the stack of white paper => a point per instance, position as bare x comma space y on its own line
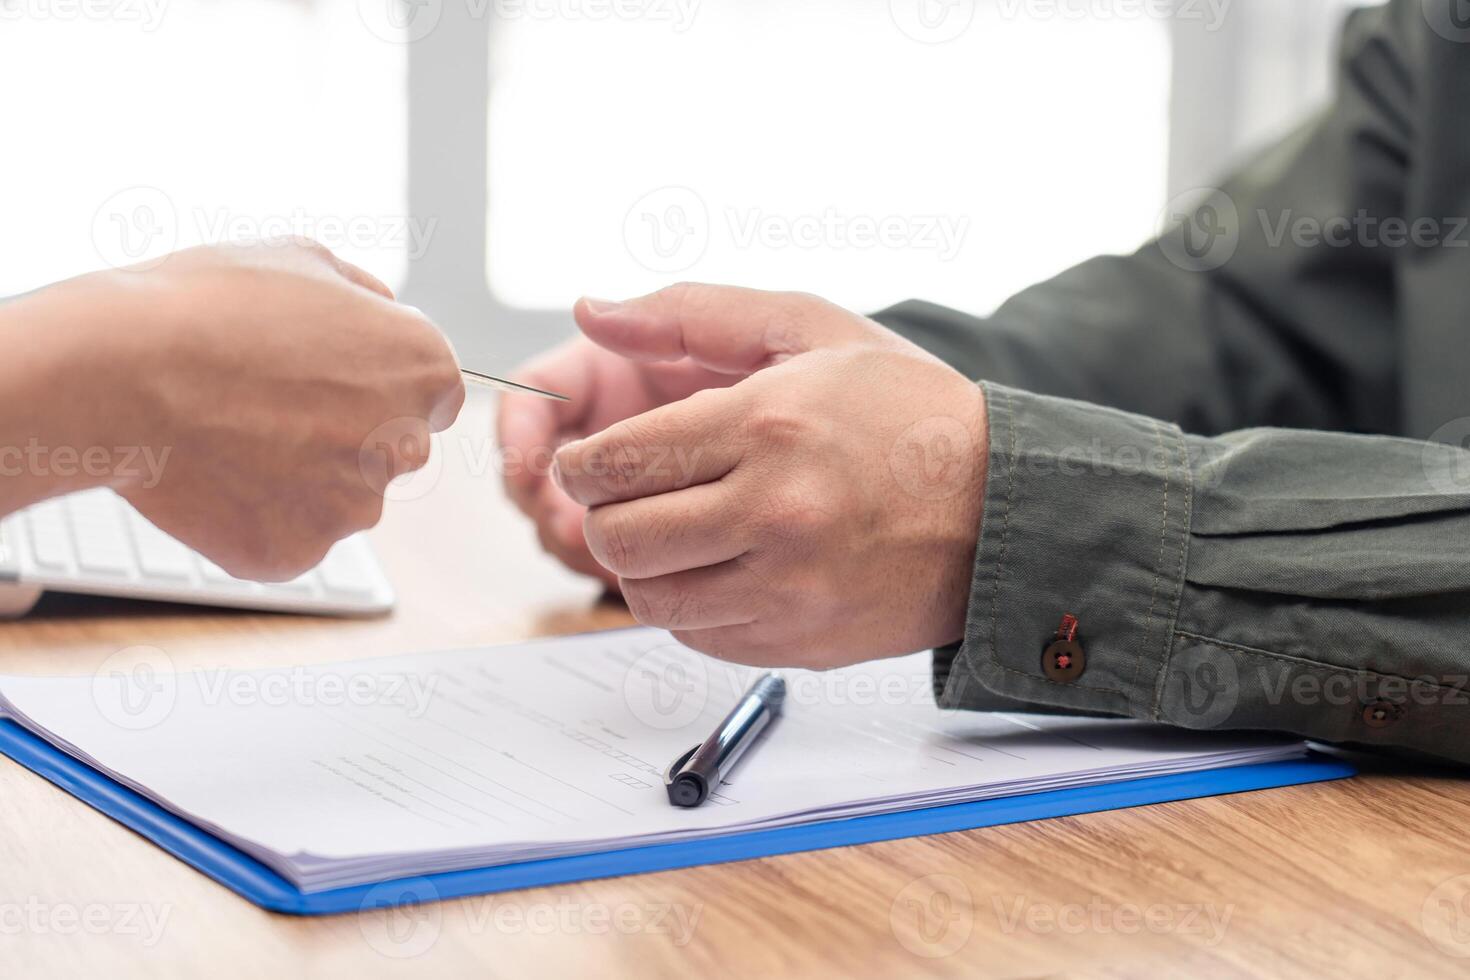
349, 773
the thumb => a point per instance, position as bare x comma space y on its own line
723, 328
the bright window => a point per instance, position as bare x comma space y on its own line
133, 126
834, 146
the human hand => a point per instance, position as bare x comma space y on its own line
603, 387
822, 511
287, 387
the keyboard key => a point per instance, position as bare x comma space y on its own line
347, 571
50, 536
94, 542
215, 575
100, 538
158, 553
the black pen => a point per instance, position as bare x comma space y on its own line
692, 776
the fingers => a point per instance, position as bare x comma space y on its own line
559, 529
696, 599
399, 446
723, 328
669, 448
668, 533
359, 276
529, 428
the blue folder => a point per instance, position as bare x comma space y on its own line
254, 881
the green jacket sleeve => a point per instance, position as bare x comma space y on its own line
1244, 577
1306, 582
1224, 322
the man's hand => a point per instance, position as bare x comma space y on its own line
604, 387
280, 387
823, 510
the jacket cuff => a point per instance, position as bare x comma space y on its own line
1087, 515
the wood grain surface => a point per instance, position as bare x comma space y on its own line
1363, 877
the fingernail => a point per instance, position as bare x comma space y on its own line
599, 307
556, 476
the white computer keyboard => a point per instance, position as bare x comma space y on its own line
96, 543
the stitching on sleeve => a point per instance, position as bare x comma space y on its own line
1158, 563
1005, 531
1314, 664
1168, 651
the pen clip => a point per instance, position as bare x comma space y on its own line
679, 763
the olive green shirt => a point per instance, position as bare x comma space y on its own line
1237, 457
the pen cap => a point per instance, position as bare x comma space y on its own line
770, 689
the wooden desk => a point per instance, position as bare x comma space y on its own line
1356, 877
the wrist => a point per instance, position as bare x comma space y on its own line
66, 421
968, 513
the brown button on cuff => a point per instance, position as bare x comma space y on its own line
1064, 661
1381, 714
